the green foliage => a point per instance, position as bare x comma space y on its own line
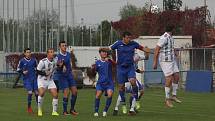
172, 4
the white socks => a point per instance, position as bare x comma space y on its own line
133, 104
54, 104
40, 102
174, 89
167, 91
118, 103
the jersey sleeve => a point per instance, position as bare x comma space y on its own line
161, 42
41, 65
114, 45
20, 66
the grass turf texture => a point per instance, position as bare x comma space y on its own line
195, 107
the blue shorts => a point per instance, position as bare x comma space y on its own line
104, 87
66, 81
30, 84
125, 73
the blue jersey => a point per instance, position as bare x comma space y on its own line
66, 58
125, 52
28, 65
104, 69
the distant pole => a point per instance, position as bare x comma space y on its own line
29, 24
82, 33
4, 42
58, 39
23, 24
101, 35
73, 21
46, 14
90, 35
52, 34
34, 26
65, 31
8, 28
13, 43
40, 35
17, 34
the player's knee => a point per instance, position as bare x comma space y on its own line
30, 92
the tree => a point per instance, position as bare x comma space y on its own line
130, 10
172, 4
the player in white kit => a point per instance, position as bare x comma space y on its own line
167, 58
45, 70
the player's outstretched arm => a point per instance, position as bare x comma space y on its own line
156, 54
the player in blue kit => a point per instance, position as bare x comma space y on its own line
125, 49
27, 67
66, 81
105, 81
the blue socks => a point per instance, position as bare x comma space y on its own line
135, 92
73, 100
108, 102
122, 95
65, 103
29, 100
97, 103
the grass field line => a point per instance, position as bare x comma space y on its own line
163, 112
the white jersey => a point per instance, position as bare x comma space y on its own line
48, 67
166, 42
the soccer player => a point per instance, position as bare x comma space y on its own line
128, 86
167, 59
105, 81
27, 66
66, 81
45, 70
125, 66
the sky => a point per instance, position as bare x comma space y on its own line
92, 11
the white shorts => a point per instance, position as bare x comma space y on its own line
169, 68
46, 84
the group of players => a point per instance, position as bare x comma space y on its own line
59, 67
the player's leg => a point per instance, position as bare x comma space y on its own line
41, 91
36, 93
74, 91
167, 90
175, 87
140, 94
115, 112
28, 87
53, 90
65, 100
73, 100
97, 99
109, 99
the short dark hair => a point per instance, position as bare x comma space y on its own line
49, 49
26, 49
169, 28
126, 33
103, 50
61, 42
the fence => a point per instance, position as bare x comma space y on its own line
40, 24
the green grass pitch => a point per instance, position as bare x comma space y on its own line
195, 107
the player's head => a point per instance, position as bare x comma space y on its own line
103, 52
62, 46
126, 37
27, 53
50, 53
169, 28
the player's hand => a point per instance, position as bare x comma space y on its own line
48, 73
155, 66
141, 71
25, 72
60, 63
64, 69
